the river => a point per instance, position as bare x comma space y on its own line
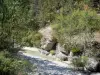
46, 65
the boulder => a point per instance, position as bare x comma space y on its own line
95, 74
70, 56
47, 41
44, 52
62, 56
60, 48
60, 52
47, 44
91, 65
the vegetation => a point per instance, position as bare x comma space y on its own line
14, 23
52, 52
80, 62
77, 22
73, 22
10, 65
31, 39
76, 29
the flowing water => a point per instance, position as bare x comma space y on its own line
46, 65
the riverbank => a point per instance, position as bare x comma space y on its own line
47, 66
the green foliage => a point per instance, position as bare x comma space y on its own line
52, 52
15, 20
77, 26
86, 1
80, 61
32, 39
9, 65
75, 50
77, 22
84, 59
20, 21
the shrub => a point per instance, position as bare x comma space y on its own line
75, 50
76, 27
32, 39
80, 61
52, 52
84, 59
76, 22
10, 65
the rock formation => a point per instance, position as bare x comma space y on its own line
49, 43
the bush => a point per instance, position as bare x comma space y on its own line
76, 22
32, 39
52, 52
80, 61
9, 65
75, 50
76, 27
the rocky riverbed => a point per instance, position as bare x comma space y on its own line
48, 67
45, 67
